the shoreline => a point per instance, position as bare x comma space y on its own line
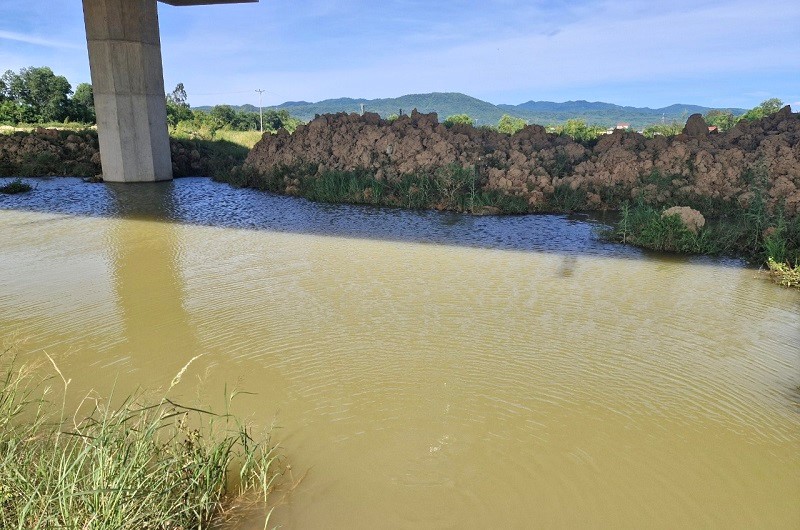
742, 185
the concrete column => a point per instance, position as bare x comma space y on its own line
128, 82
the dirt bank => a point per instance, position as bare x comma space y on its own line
50, 152
547, 172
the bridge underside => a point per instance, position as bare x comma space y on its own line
128, 81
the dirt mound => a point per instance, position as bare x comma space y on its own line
46, 152
552, 172
50, 152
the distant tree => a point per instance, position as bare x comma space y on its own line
765, 108
723, 120
42, 95
276, 119
579, 131
245, 121
9, 112
178, 96
83, 104
509, 124
178, 109
222, 116
463, 119
663, 129
6, 80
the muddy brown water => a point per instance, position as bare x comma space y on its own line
426, 370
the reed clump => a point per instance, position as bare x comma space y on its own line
754, 232
145, 464
15, 186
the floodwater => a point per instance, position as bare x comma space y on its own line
423, 369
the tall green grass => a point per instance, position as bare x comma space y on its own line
755, 233
451, 187
144, 464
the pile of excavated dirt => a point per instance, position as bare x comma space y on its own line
695, 167
47, 152
50, 152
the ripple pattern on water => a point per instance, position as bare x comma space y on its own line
430, 369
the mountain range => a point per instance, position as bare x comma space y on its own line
484, 113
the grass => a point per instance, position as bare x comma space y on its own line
246, 139
755, 233
452, 187
243, 138
145, 464
566, 199
15, 186
61, 126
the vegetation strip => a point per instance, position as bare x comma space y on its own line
144, 464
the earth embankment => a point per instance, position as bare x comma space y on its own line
544, 172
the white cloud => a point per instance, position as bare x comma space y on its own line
39, 41
720, 51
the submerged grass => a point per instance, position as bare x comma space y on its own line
141, 465
15, 186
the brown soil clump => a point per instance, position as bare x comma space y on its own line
694, 168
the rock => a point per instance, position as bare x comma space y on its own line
691, 218
696, 127
487, 210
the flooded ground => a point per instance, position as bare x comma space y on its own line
423, 369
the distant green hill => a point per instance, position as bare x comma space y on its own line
448, 103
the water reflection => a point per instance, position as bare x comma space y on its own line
204, 202
476, 384
146, 272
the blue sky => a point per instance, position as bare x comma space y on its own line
717, 53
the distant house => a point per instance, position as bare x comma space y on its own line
618, 127
713, 129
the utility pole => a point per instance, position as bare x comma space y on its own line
260, 111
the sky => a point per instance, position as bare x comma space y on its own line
644, 53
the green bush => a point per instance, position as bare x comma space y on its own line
462, 119
510, 125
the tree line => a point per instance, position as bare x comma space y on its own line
180, 116
585, 133
37, 95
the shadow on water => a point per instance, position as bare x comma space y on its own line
151, 292
201, 201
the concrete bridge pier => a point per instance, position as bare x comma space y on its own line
128, 82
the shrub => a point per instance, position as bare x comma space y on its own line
509, 124
462, 119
